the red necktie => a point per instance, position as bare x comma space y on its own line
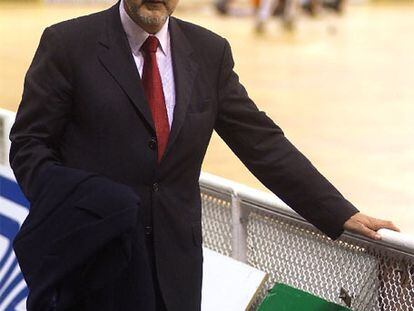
151, 80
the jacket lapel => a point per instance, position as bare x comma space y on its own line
185, 70
115, 55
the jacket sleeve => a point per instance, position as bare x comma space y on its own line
42, 115
262, 146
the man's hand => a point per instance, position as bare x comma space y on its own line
367, 226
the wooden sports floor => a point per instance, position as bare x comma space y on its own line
342, 88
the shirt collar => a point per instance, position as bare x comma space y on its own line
137, 36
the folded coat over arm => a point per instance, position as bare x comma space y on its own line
82, 235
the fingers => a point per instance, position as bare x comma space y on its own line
360, 228
391, 226
380, 224
367, 226
364, 230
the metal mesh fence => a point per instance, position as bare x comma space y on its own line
309, 261
369, 276
217, 219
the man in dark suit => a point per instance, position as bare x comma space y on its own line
134, 95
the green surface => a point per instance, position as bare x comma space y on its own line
285, 298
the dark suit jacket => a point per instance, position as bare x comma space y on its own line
82, 245
83, 107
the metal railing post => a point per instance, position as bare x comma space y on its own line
239, 230
6, 122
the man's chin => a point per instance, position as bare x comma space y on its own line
153, 18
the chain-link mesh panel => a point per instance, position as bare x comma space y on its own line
374, 277
301, 257
217, 220
396, 277
307, 260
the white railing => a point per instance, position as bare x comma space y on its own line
6, 122
257, 228
271, 203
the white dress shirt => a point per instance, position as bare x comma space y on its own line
136, 38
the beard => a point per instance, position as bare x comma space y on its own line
148, 19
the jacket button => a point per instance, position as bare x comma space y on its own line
152, 143
155, 187
148, 230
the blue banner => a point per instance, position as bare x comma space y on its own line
13, 210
